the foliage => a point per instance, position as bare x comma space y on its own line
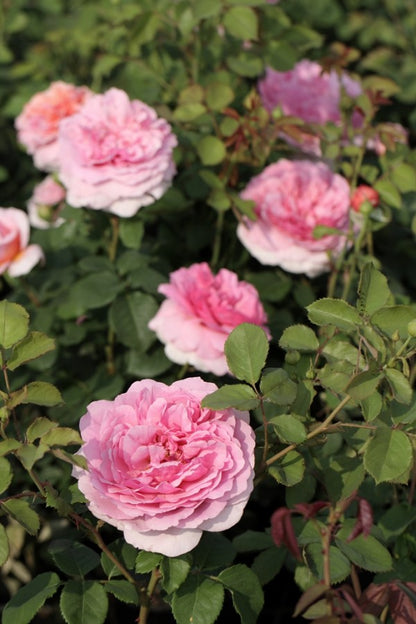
330, 391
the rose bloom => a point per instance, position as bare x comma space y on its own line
291, 199
118, 154
308, 93
43, 207
363, 193
38, 123
161, 468
200, 312
16, 256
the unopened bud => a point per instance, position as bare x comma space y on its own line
364, 195
292, 357
411, 328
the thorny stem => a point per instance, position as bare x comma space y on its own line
266, 433
312, 434
145, 608
36, 481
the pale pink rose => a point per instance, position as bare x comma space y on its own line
161, 468
200, 312
16, 256
38, 123
118, 154
45, 204
307, 92
291, 199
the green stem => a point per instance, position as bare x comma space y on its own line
145, 608
115, 226
217, 240
36, 481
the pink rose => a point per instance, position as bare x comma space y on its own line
117, 154
199, 313
38, 123
308, 93
291, 199
16, 256
161, 468
43, 206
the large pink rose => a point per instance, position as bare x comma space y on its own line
16, 256
199, 313
161, 468
45, 204
291, 199
116, 154
308, 93
38, 123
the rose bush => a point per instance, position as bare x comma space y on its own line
200, 311
162, 469
118, 154
291, 199
38, 123
17, 257
43, 209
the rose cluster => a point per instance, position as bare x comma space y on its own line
110, 153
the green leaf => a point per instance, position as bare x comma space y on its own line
388, 193
392, 319
339, 565
342, 476
14, 323
372, 406
246, 592
388, 455
402, 390
299, 338
174, 571
131, 233
189, 111
83, 602
246, 350
268, 563
363, 385
62, 436
41, 393
126, 553
241, 22
239, 396
218, 95
365, 552
24, 605
198, 600
404, 177
251, 541
6, 446
96, 290
4, 545
219, 200
207, 8
334, 312
39, 427
73, 558
21, 511
289, 428
277, 388
147, 561
213, 551
122, 590
289, 470
211, 150
31, 347
129, 316
6, 474
394, 522
29, 454
373, 290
